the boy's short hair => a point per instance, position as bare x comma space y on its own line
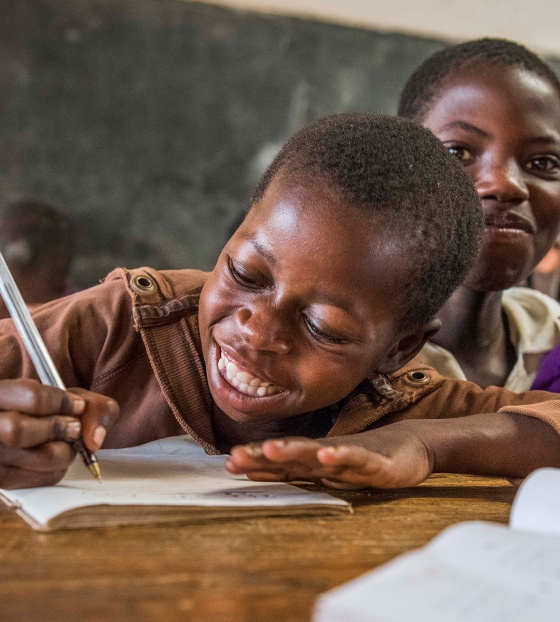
425, 83
401, 175
34, 234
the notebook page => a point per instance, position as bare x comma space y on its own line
173, 471
473, 571
536, 506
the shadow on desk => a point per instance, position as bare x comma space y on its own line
439, 486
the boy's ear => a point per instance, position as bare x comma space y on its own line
408, 347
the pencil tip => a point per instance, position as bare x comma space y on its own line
95, 471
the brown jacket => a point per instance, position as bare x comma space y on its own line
135, 338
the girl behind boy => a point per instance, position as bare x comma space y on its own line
496, 106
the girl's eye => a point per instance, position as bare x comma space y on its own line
241, 278
320, 335
544, 164
461, 153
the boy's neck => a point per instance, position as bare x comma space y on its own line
474, 330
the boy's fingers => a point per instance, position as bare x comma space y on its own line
242, 459
367, 468
33, 398
358, 467
49, 457
282, 460
346, 467
265, 476
281, 476
13, 477
353, 457
291, 450
275, 456
100, 414
21, 431
285, 471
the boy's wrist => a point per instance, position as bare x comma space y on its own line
446, 442
498, 444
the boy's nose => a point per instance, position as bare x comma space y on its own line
263, 331
502, 181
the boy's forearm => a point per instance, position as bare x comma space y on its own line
501, 444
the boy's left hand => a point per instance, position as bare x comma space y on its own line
390, 457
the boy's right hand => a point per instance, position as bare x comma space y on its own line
38, 425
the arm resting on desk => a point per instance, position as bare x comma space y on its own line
405, 453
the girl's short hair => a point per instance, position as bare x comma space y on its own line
425, 83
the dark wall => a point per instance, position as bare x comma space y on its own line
149, 121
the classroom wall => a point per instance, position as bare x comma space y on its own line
532, 24
149, 121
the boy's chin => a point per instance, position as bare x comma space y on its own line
238, 416
252, 420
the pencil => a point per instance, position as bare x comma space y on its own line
37, 351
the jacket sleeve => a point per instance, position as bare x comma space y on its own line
459, 398
420, 392
548, 411
87, 334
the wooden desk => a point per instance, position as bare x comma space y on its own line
260, 569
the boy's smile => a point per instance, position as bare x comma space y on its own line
244, 381
504, 126
298, 310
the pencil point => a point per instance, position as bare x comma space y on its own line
95, 471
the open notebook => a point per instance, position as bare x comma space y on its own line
171, 480
474, 571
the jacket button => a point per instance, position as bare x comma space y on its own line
142, 283
418, 377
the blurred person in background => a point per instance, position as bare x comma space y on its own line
38, 243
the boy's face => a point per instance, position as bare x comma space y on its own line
504, 126
302, 306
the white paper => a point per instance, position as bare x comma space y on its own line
472, 572
173, 471
536, 506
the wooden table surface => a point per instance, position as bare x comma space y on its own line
244, 570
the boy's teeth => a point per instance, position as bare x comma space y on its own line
244, 381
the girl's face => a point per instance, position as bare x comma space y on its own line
292, 318
504, 126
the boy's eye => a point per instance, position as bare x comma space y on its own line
319, 334
544, 164
238, 276
461, 153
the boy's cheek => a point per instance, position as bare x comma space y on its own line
326, 383
216, 303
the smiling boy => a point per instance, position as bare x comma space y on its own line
358, 232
